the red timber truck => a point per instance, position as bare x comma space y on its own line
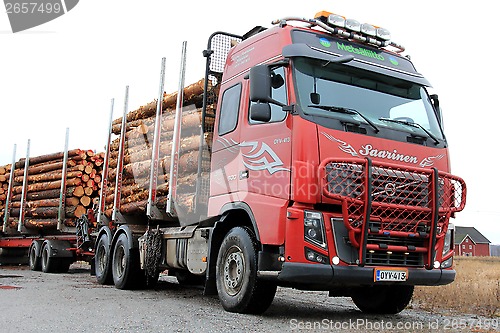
323, 165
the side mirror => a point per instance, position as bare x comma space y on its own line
260, 84
437, 108
260, 112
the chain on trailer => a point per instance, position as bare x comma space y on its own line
153, 251
219, 45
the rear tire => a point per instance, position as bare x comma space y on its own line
125, 265
388, 299
35, 261
238, 287
102, 260
49, 264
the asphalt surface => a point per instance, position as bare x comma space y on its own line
74, 302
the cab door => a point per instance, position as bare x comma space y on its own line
225, 163
266, 146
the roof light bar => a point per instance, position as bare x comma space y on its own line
347, 28
368, 32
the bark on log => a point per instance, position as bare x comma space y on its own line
47, 185
45, 212
46, 203
191, 92
44, 177
47, 194
49, 157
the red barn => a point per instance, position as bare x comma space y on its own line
470, 242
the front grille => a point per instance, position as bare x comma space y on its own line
381, 258
392, 186
408, 208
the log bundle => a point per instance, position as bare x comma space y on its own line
140, 127
43, 188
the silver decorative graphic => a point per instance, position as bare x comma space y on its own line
24, 14
429, 161
258, 161
344, 146
257, 158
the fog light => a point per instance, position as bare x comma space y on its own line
335, 260
447, 263
315, 256
437, 264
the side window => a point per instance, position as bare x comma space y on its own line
230, 106
278, 92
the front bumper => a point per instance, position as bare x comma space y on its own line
317, 275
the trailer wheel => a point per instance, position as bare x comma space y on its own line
125, 265
102, 260
238, 287
49, 264
388, 299
35, 260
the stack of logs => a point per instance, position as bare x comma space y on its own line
138, 150
83, 181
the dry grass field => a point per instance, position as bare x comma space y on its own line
476, 289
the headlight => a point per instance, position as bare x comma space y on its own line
314, 229
448, 245
448, 240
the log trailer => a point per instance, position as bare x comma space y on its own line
322, 165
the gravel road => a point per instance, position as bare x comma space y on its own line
74, 302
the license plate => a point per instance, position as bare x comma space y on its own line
392, 275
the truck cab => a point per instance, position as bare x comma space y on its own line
330, 160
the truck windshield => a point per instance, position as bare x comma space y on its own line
323, 88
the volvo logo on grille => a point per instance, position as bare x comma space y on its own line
390, 189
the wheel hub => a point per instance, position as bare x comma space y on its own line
234, 269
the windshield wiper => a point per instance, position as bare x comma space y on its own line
346, 111
417, 125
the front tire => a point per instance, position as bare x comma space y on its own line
388, 299
238, 287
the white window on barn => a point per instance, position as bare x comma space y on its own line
463, 247
470, 247
467, 240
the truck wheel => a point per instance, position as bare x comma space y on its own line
49, 264
102, 260
125, 264
35, 261
236, 275
390, 299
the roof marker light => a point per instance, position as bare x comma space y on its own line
368, 29
336, 20
353, 25
383, 34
